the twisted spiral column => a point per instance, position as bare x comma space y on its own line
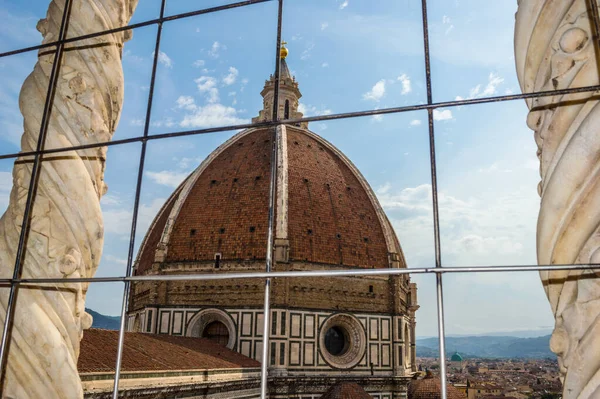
66, 234
555, 49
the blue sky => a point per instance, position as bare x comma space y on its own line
347, 55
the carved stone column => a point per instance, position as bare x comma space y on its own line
66, 235
555, 49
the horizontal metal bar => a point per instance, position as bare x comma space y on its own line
135, 26
139, 139
311, 273
383, 111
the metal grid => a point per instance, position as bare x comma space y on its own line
58, 47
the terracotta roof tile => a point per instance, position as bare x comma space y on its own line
430, 388
346, 390
331, 218
150, 352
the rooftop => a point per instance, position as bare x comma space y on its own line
346, 390
150, 352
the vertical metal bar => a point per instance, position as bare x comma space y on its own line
593, 10
32, 191
436, 216
136, 204
264, 365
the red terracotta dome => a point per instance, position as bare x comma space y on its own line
326, 212
430, 388
346, 390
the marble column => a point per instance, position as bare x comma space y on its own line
66, 234
555, 49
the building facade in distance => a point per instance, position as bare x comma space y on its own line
323, 330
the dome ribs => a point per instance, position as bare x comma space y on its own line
332, 219
327, 198
227, 195
146, 257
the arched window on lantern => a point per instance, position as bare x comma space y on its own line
286, 111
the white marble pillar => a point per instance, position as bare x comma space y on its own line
66, 235
554, 49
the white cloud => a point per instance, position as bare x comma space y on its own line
490, 89
211, 115
117, 221
130, 57
136, 122
199, 63
186, 102
167, 122
167, 177
109, 200
446, 21
164, 59
493, 82
377, 118
231, 77
311, 110
406, 86
474, 92
475, 231
415, 122
376, 92
187, 163
344, 4
215, 49
147, 213
307, 51
442, 115
325, 65
207, 85
324, 25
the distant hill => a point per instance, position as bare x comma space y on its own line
105, 322
489, 347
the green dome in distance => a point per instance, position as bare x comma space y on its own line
456, 357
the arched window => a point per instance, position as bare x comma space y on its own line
216, 332
286, 111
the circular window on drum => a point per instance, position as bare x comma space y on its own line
342, 341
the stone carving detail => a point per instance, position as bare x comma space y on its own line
555, 50
66, 235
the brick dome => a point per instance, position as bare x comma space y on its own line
346, 390
326, 211
430, 388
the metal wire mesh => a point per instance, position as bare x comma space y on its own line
57, 47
